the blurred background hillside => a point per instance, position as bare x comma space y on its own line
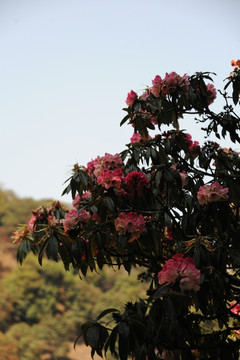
42, 308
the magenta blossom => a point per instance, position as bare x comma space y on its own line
137, 138
183, 269
192, 145
172, 82
130, 222
236, 309
108, 161
131, 97
77, 200
136, 183
211, 93
212, 193
71, 219
156, 88
31, 224
84, 216
110, 178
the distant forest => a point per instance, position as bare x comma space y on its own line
42, 308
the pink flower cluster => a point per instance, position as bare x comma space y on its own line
236, 309
211, 93
39, 214
130, 222
137, 138
18, 236
78, 199
110, 178
131, 97
212, 193
170, 84
45, 216
52, 221
192, 145
183, 269
136, 183
102, 163
156, 86
72, 218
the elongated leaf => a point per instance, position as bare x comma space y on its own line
105, 312
123, 340
52, 248
109, 203
111, 342
235, 95
124, 119
42, 251
24, 248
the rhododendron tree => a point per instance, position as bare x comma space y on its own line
168, 206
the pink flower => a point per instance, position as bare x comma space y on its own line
212, 193
188, 139
192, 145
100, 164
131, 97
130, 222
156, 88
84, 216
113, 161
52, 221
172, 82
77, 200
110, 178
211, 93
183, 269
136, 183
31, 224
236, 309
71, 219
136, 138
18, 236
144, 95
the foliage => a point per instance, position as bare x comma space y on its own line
8, 348
165, 204
6, 308
42, 308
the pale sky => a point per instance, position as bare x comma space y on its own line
67, 66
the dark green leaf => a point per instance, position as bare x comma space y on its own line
105, 312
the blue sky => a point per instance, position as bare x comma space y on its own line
67, 66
